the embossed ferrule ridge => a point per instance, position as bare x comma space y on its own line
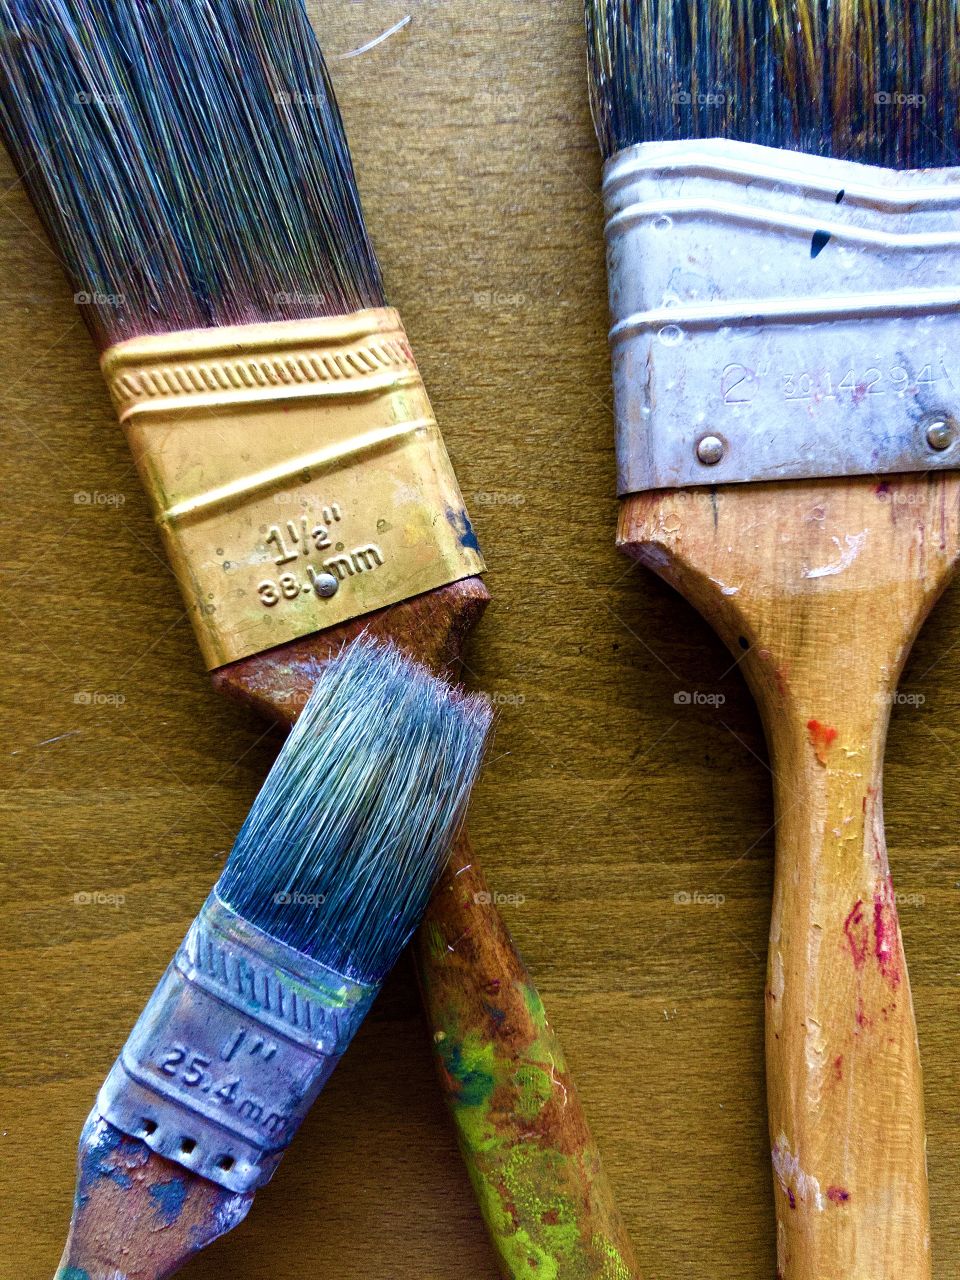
780, 316
296, 472
239, 1037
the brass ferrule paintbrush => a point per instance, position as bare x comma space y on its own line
297, 474
189, 161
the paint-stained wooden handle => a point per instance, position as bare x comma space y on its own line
544, 1197
138, 1216
535, 1168
820, 589
532, 1161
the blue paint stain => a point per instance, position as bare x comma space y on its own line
464, 529
72, 1273
99, 1147
169, 1197
496, 1014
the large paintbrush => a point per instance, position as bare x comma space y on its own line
189, 162
781, 250
326, 881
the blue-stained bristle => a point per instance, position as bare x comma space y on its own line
352, 827
876, 81
188, 159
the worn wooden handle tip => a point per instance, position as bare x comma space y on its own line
138, 1216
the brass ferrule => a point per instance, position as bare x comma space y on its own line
296, 472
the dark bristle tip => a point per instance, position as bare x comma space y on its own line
345, 841
876, 81
188, 160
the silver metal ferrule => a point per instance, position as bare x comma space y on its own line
778, 315
235, 1043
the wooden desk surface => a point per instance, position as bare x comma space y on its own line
605, 798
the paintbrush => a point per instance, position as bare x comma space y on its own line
190, 164
779, 240
326, 881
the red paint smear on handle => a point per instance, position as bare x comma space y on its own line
838, 1195
862, 1019
885, 934
858, 934
822, 738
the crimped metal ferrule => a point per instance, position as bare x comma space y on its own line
780, 316
239, 1037
296, 472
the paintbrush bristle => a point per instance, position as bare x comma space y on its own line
346, 839
876, 81
188, 160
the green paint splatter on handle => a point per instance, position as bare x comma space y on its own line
534, 1089
535, 1169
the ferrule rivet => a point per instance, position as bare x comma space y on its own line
326, 585
710, 450
941, 431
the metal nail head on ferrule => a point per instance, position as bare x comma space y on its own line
780, 316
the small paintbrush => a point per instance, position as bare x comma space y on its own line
327, 880
189, 162
782, 236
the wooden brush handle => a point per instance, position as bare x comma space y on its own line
820, 588
843, 1065
137, 1215
536, 1170
532, 1161
534, 1166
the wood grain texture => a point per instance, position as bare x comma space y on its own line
606, 805
819, 589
